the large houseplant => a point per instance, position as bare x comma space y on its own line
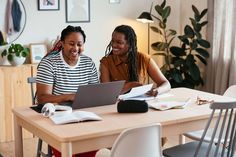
181, 67
16, 54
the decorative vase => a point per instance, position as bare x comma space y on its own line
3, 60
17, 61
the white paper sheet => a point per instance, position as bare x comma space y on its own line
136, 92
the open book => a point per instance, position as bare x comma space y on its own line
169, 102
138, 93
76, 116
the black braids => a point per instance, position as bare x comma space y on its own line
70, 29
108, 49
132, 56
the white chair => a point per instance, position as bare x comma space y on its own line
225, 122
142, 141
32, 81
196, 135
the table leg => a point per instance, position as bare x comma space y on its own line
18, 139
181, 139
66, 150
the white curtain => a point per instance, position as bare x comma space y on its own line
221, 68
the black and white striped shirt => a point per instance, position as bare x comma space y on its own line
65, 79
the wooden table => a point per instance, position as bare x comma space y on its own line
93, 135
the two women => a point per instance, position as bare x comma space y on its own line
61, 72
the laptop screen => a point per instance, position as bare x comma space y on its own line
100, 94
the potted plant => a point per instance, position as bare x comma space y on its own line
181, 67
16, 54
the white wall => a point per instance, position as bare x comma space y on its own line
44, 26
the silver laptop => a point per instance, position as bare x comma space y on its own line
97, 94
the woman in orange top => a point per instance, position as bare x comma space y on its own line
123, 62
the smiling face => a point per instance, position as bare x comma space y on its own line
119, 44
73, 46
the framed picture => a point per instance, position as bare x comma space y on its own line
114, 1
77, 11
37, 52
44, 5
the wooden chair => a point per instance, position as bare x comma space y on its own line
225, 122
142, 141
32, 81
196, 135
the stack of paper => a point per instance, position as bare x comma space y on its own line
169, 102
138, 93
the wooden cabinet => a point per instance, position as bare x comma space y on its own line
14, 92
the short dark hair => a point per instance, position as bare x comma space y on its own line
69, 29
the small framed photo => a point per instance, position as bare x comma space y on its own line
47, 5
37, 52
77, 11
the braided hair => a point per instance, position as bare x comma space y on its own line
131, 38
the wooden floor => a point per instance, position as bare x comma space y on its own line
30, 144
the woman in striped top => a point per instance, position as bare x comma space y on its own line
61, 72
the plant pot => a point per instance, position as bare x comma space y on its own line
3, 60
17, 61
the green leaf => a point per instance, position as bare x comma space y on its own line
158, 46
202, 52
176, 75
161, 46
201, 59
17, 53
183, 46
166, 12
4, 53
203, 13
163, 4
194, 44
156, 29
159, 54
188, 31
194, 72
177, 51
184, 39
10, 57
203, 23
197, 18
190, 60
159, 9
198, 35
195, 10
177, 61
164, 69
168, 44
198, 27
193, 22
204, 43
172, 32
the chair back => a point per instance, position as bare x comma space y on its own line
224, 127
231, 91
143, 141
32, 81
